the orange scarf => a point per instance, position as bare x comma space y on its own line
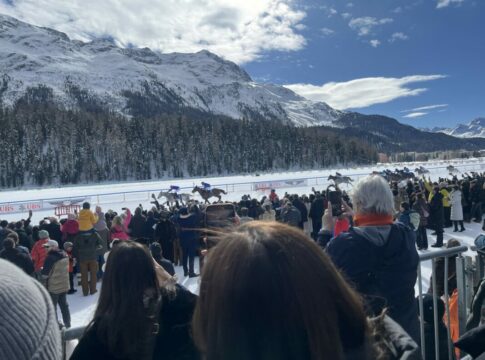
372, 220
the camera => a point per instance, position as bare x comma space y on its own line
335, 197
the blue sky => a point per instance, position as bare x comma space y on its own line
421, 62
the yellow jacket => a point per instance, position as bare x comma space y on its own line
444, 192
86, 220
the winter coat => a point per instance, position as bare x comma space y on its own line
437, 211
19, 258
24, 239
472, 342
381, 262
456, 206
317, 209
291, 216
187, 233
269, 215
137, 226
118, 232
69, 230
56, 272
86, 220
39, 253
422, 208
300, 205
101, 223
54, 230
173, 341
86, 246
150, 227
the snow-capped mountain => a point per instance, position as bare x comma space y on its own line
474, 129
31, 56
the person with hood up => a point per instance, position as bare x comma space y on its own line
55, 275
290, 214
378, 256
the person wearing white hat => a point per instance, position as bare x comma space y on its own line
28, 324
55, 273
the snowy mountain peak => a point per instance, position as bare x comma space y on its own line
474, 129
113, 76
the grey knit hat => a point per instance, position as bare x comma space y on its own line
43, 234
28, 324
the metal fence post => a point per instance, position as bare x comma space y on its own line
461, 285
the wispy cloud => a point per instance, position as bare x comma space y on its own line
365, 25
427, 107
374, 43
361, 93
445, 3
346, 15
326, 31
239, 30
398, 36
415, 115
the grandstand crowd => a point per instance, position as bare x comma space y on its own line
328, 275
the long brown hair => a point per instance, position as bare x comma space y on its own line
269, 292
126, 315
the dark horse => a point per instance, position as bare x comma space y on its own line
207, 194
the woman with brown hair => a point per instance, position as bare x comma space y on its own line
269, 292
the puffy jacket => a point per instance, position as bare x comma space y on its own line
381, 262
137, 226
56, 272
19, 258
39, 253
86, 220
87, 246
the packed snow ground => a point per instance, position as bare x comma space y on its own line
116, 196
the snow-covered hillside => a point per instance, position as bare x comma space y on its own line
474, 129
31, 56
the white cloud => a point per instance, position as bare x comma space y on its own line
445, 3
361, 93
350, 5
239, 30
374, 43
428, 107
415, 115
332, 12
397, 10
398, 36
327, 32
365, 25
346, 15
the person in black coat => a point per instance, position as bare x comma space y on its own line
300, 205
166, 234
316, 212
137, 224
17, 257
437, 216
377, 256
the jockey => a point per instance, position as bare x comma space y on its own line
174, 188
206, 186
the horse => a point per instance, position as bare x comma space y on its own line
339, 179
207, 194
452, 170
421, 170
171, 197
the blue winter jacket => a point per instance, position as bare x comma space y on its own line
381, 262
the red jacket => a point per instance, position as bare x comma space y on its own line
70, 227
39, 253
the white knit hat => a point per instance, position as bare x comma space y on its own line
28, 324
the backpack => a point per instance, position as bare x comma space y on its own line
414, 219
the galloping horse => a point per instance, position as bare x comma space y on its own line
452, 170
207, 194
171, 197
421, 170
339, 179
